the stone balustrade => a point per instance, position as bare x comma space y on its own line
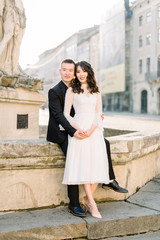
31, 171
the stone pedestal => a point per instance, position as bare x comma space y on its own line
32, 170
19, 113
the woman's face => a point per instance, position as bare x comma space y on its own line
81, 75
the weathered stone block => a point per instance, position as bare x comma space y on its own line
15, 102
32, 170
43, 224
122, 219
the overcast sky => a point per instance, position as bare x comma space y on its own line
50, 22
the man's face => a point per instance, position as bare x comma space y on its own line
67, 72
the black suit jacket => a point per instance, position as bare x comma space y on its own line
56, 97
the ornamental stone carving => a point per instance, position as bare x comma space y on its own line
12, 28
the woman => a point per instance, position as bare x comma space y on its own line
86, 161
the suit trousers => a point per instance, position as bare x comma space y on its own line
73, 190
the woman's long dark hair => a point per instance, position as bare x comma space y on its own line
91, 81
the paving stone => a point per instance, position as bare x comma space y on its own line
147, 236
41, 224
157, 177
148, 196
122, 218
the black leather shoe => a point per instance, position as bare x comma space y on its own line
114, 186
76, 211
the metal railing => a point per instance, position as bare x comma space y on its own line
149, 76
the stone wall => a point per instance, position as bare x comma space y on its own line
32, 170
22, 102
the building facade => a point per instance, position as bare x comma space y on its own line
115, 58
124, 51
146, 57
80, 46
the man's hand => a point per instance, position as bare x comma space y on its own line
80, 134
102, 116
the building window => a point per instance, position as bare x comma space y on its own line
127, 66
148, 17
144, 101
140, 41
140, 66
140, 20
148, 39
158, 35
148, 65
158, 11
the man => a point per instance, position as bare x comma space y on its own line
59, 128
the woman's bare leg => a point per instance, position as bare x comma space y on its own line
91, 203
88, 191
94, 187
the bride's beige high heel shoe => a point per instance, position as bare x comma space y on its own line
94, 210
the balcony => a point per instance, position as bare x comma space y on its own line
152, 77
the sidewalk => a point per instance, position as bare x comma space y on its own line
131, 121
140, 214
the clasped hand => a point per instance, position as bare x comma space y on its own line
80, 134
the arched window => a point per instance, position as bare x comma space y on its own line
158, 66
144, 101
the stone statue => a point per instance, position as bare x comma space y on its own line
12, 27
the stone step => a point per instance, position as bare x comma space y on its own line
138, 215
146, 236
119, 219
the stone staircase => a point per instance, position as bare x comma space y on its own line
146, 236
136, 218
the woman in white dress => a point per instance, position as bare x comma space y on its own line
86, 160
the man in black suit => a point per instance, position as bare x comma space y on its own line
59, 128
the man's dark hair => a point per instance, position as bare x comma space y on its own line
67, 60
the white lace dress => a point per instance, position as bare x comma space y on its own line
86, 160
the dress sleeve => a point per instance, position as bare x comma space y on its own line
68, 104
98, 120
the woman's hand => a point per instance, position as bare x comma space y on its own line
89, 132
79, 129
80, 134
